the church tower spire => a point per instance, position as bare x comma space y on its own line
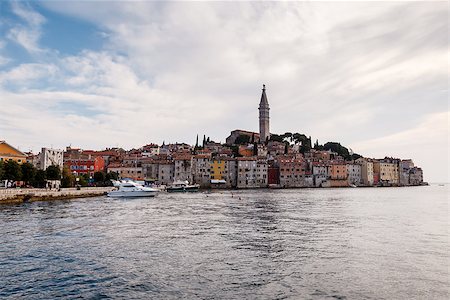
264, 131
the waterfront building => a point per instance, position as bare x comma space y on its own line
338, 174
231, 171
264, 128
166, 171
292, 171
183, 167
273, 175
150, 169
261, 171
218, 169
223, 172
405, 167
201, 169
8, 152
83, 161
415, 176
367, 175
85, 164
131, 171
354, 173
320, 174
387, 171
246, 176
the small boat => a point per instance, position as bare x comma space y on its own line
132, 189
182, 186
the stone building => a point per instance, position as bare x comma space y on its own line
183, 167
405, 167
166, 170
247, 170
201, 169
366, 171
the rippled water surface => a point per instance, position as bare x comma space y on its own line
372, 243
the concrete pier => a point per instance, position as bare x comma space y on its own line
10, 196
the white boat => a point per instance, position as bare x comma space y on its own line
182, 186
132, 189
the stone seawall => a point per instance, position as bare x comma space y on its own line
8, 196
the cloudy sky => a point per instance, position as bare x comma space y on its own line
371, 75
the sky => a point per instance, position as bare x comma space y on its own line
370, 75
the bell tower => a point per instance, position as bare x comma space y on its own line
264, 131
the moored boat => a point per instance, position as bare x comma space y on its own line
132, 189
183, 186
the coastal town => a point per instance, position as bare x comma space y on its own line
246, 160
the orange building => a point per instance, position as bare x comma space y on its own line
8, 152
338, 172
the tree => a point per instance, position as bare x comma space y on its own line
338, 148
28, 172
40, 178
83, 179
286, 148
99, 177
2, 169
196, 143
112, 175
242, 139
204, 141
68, 180
276, 138
12, 170
53, 172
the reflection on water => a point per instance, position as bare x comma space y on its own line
328, 243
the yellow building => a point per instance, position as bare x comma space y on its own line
8, 152
387, 172
218, 171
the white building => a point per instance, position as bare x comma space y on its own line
320, 175
354, 174
50, 157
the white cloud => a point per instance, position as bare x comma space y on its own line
28, 72
27, 35
427, 144
343, 72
